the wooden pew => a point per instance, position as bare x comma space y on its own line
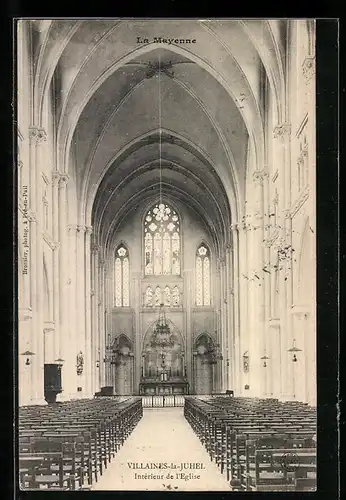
88, 432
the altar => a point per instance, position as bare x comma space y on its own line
158, 387
163, 361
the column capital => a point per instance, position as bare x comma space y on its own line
37, 134
309, 68
63, 180
282, 130
88, 230
59, 179
81, 229
259, 176
234, 227
95, 248
71, 228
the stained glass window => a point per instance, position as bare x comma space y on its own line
162, 241
203, 276
122, 277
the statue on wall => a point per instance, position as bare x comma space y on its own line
80, 363
167, 296
246, 361
149, 297
157, 296
175, 296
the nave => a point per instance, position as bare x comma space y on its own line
214, 443
163, 436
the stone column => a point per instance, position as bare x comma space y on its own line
56, 259
235, 324
223, 331
282, 133
266, 282
36, 137
254, 227
95, 333
63, 344
89, 366
230, 345
102, 326
108, 299
137, 344
189, 339
69, 368
80, 300
309, 70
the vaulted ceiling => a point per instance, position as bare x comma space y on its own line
120, 106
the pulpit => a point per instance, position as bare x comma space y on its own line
163, 366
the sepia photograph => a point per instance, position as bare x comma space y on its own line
166, 254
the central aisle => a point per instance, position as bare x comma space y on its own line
162, 436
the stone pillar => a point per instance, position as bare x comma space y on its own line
36, 137
56, 258
266, 282
80, 300
189, 339
69, 368
138, 340
309, 70
254, 226
89, 366
223, 331
230, 345
102, 326
63, 344
283, 134
236, 358
96, 359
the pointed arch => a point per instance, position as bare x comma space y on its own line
174, 330
203, 338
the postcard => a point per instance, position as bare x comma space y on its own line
166, 254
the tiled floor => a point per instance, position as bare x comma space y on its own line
162, 436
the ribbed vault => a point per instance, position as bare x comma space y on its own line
110, 122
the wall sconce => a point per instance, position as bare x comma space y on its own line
264, 361
28, 355
294, 349
97, 364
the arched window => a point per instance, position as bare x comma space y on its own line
161, 241
122, 277
203, 276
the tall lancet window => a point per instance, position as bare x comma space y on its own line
122, 277
162, 246
203, 276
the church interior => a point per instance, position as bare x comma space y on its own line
166, 253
